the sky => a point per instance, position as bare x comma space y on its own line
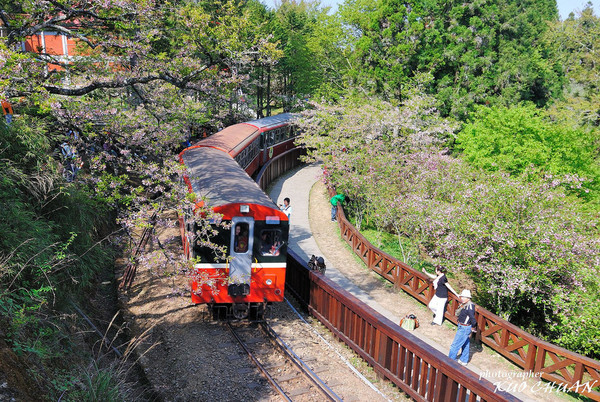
564, 6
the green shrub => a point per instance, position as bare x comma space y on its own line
522, 138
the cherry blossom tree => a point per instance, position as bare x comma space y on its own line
146, 77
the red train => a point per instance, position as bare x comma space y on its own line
218, 169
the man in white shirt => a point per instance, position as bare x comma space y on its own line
286, 207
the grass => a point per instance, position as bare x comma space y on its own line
406, 251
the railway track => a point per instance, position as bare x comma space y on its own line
298, 362
187, 355
287, 373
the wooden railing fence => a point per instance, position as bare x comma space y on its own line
422, 372
570, 371
279, 165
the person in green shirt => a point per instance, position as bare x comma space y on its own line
334, 201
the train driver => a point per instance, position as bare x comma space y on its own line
240, 241
265, 243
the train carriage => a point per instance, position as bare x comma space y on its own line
254, 143
276, 135
253, 275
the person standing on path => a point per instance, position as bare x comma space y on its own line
437, 304
286, 207
334, 201
466, 325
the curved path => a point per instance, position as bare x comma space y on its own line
297, 185
313, 233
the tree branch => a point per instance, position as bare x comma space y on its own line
83, 90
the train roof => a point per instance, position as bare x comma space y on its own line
229, 138
217, 176
235, 138
271, 121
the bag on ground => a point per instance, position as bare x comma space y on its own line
410, 322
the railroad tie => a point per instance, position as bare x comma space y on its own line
289, 377
300, 391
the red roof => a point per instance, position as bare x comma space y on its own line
231, 139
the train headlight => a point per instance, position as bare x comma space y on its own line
269, 282
244, 209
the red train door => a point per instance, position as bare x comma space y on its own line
240, 255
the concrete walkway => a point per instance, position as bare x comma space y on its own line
296, 185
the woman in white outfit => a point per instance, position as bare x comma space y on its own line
440, 298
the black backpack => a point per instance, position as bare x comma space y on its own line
316, 264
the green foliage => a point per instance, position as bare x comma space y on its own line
98, 385
294, 27
328, 45
27, 334
49, 250
579, 329
521, 139
577, 41
405, 249
478, 52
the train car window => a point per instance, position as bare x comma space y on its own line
253, 149
208, 254
270, 242
242, 157
245, 157
240, 240
271, 138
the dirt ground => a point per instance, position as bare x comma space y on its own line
484, 361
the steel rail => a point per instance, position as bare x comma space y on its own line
258, 364
294, 358
130, 270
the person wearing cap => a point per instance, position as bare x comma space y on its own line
466, 325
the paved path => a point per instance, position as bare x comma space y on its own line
296, 185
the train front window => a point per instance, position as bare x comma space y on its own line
207, 253
270, 242
240, 240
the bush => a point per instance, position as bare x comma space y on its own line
525, 243
522, 139
51, 250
